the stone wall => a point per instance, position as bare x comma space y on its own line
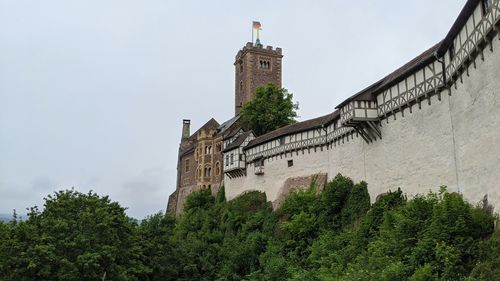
299, 183
249, 75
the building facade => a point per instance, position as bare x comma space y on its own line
200, 164
432, 122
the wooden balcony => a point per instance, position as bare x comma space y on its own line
362, 115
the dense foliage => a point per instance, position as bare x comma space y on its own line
334, 234
270, 109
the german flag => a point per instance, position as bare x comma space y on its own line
256, 25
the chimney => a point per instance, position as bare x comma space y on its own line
185, 129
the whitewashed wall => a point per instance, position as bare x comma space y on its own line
415, 153
475, 111
454, 141
276, 172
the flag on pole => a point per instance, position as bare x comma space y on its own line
256, 25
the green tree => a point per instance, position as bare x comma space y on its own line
270, 109
76, 237
161, 254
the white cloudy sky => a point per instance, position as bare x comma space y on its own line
93, 92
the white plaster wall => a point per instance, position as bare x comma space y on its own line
423, 150
453, 142
276, 172
416, 152
348, 159
475, 111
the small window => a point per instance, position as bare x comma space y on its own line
265, 63
227, 160
241, 67
282, 140
232, 158
290, 163
208, 149
186, 163
241, 85
240, 157
218, 147
452, 51
208, 171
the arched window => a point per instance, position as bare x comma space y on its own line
208, 171
208, 149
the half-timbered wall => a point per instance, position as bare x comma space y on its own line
302, 140
277, 171
471, 40
412, 89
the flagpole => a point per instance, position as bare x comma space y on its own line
252, 33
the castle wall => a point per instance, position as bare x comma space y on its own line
475, 113
432, 122
415, 153
451, 140
276, 173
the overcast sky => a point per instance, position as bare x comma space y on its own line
93, 92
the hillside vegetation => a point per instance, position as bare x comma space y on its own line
330, 235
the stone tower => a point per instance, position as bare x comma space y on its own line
255, 66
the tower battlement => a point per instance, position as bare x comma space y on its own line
254, 66
249, 47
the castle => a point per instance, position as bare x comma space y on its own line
434, 121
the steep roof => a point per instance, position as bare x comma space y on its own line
230, 128
395, 76
189, 144
238, 141
294, 128
211, 124
224, 127
461, 20
426, 57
